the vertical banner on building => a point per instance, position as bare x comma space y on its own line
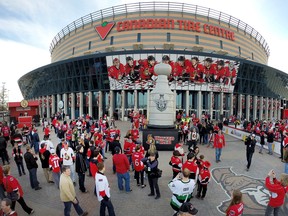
188, 72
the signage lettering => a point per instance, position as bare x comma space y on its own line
183, 25
166, 140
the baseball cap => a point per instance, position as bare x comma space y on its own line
189, 208
52, 151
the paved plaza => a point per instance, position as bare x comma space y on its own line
227, 175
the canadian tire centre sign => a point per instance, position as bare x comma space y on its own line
182, 25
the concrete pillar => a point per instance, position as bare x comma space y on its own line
255, 107
279, 110
58, 99
122, 105
81, 105
187, 103
53, 104
111, 103
266, 108
261, 108
247, 107
148, 105
221, 103
135, 100
210, 103
73, 105
199, 104
100, 104
90, 103
231, 104
271, 110
65, 101
239, 106
48, 107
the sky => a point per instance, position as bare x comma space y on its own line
28, 27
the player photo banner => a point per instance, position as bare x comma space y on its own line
188, 72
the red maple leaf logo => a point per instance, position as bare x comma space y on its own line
104, 29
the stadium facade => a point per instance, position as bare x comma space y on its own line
102, 63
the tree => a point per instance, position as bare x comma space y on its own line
3, 97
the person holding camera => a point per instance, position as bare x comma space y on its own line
151, 168
182, 188
278, 190
250, 143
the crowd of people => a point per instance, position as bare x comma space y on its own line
82, 147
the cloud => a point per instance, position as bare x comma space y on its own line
17, 60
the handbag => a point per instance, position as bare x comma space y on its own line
159, 173
13, 196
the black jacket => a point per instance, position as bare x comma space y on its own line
30, 160
270, 137
250, 145
80, 165
44, 158
3, 143
114, 144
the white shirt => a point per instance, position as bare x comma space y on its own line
102, 184
67, 156
49, 144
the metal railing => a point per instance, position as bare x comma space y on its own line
160, 6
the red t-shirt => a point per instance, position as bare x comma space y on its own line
219, 141
235, 210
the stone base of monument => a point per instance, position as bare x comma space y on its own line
165, 139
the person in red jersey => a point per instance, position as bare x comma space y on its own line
236, 205
54, 164
191, 164
129, 145
209, 70
196, 73
147, 68
130, 68
6, 132
179, 147
220, 72
135, 133
6, 208
11, 184
47, 131
96, 158
117, 71
219, 143
204, 179
137, 156
278, 191
182, 69
176, 163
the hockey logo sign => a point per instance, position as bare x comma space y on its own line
161, 104
255, 194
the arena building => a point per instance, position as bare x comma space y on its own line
102, 63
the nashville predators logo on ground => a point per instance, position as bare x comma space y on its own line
255, 194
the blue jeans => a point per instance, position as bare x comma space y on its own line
120, 178
270, 148
33, 178
286, 168
218, 152
56, 178
109, 206
67, 208
205, 138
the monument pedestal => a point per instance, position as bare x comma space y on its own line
165, 139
